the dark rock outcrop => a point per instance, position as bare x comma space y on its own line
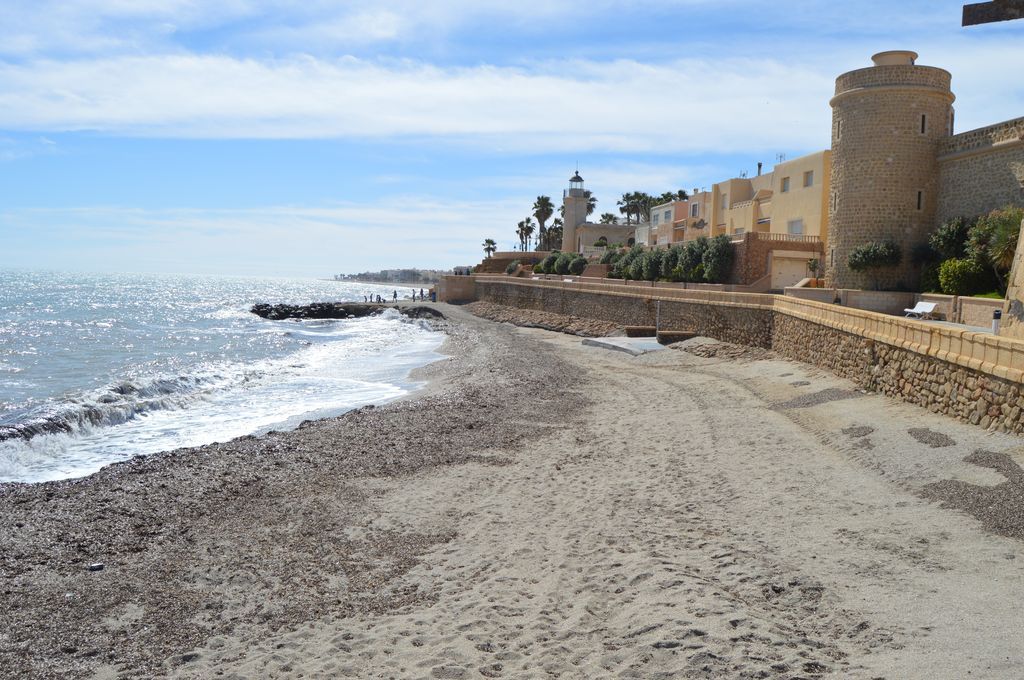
336, 310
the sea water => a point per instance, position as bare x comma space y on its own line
99, 368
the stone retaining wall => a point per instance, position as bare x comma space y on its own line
937, 385
974, 377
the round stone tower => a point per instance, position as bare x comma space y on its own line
887, 123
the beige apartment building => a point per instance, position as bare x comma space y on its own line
792, 200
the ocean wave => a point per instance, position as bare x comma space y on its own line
116, 404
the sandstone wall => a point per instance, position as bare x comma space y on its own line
937, 385
981, 170
742, 324
974, 377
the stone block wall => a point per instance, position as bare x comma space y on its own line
939, 386
981, 170
978, 378
747, 325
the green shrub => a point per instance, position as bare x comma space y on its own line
562, 263
691, 257
601, 242
651, 264
548, 263
874, 255
512, 267
670, 261
717, 259
538, 268
636, 267
992, 242
610, 256
962, 277
949, 240
578, 264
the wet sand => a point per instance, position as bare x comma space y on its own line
543, 509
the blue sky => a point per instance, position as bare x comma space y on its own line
306, 139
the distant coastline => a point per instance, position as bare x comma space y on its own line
375, 282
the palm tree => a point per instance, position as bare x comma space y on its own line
490, 246
555, 233
626, 207
591, 202
543, 209
668, 196
524, 230
608, 218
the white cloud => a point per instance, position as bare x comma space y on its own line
685, 105
276, 240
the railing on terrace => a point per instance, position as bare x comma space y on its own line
795, 238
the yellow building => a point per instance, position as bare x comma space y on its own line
792, 199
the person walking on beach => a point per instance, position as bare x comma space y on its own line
421, 295
395, 296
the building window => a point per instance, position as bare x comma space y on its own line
835, 201
656, 216
694, 209
809, 178
785, 184
738, 232
725, 201
795, 227
667, 216
920, 200
924, 123
839, 130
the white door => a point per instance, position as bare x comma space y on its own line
788, 272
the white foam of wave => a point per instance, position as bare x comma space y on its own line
348, 364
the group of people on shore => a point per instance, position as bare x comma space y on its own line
376, 298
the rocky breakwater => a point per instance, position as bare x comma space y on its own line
338, 310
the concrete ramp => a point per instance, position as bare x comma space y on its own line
633, 346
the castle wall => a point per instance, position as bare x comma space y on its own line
981, 170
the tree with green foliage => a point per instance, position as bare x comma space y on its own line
949, 240
548, 263
962, 277
871, 257
669, 262
608, 218
578, 264
650, 264
490, 246
563, 261
992, 242
690, 267
717, 259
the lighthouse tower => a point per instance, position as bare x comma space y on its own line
574, 201
888, 121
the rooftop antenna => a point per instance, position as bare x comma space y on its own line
780, 157
743, 174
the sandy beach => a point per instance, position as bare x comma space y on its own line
541, 509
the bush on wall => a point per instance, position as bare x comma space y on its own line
512, 267
962, 277
578, 264
717, 259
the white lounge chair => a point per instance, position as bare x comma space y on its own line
922, 310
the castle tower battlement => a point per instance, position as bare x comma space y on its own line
888, 122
